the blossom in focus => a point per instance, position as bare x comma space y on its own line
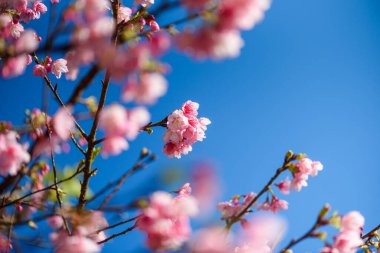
58, 67
166, 220
284, 186
146, 90
305, 168
12, 154
183, 130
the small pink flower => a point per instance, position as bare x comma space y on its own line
147, 91
12, 154
316, 167
166, 221
177, 121
63, 123
211, 240
114, 146
58, 67
185, 190
144, 3
27, 42
190, 108
154, 25
299, 181
39, 70
5, 244
124, 14
14, 66
352, 221
284, 186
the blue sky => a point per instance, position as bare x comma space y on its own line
307, 80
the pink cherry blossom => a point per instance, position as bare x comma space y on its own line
39, 70
184, 130
211, 240
275, 205
144, 3
75, 243
5, 244
315, 168
147, 90
124, 14
166, 220
27, 42
114, 146
241, 14
352, 221
14, 66
299, 181
12, 154
234, 206
209, 42
63, 123
261, 234
58, 67
284, 186
119, 123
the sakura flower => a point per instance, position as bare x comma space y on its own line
58, 67
261, 234
5, 244
184, 130
234, 207
27, 42
119, 123
352, 221
124, 14
144, 3
14, 66
241, 14
211, 240
12, 154
150, 87
63, 123
284, 186
210, 43
275, 205
39, 70
166, 220
75, 243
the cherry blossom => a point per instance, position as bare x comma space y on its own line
58, 67
166, 220
12, 154
184, 130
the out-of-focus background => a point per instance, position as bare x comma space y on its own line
308, 79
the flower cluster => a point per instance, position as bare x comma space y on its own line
12, 154
145, 90
220, 37
260, 235
301, 172
85, 235
166, 220
57, 67
14, 38
235, 206
120, 124
61, 126
184, 129
349, 238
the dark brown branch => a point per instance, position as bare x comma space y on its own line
50, 187
118, 234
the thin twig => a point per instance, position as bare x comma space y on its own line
118, 234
